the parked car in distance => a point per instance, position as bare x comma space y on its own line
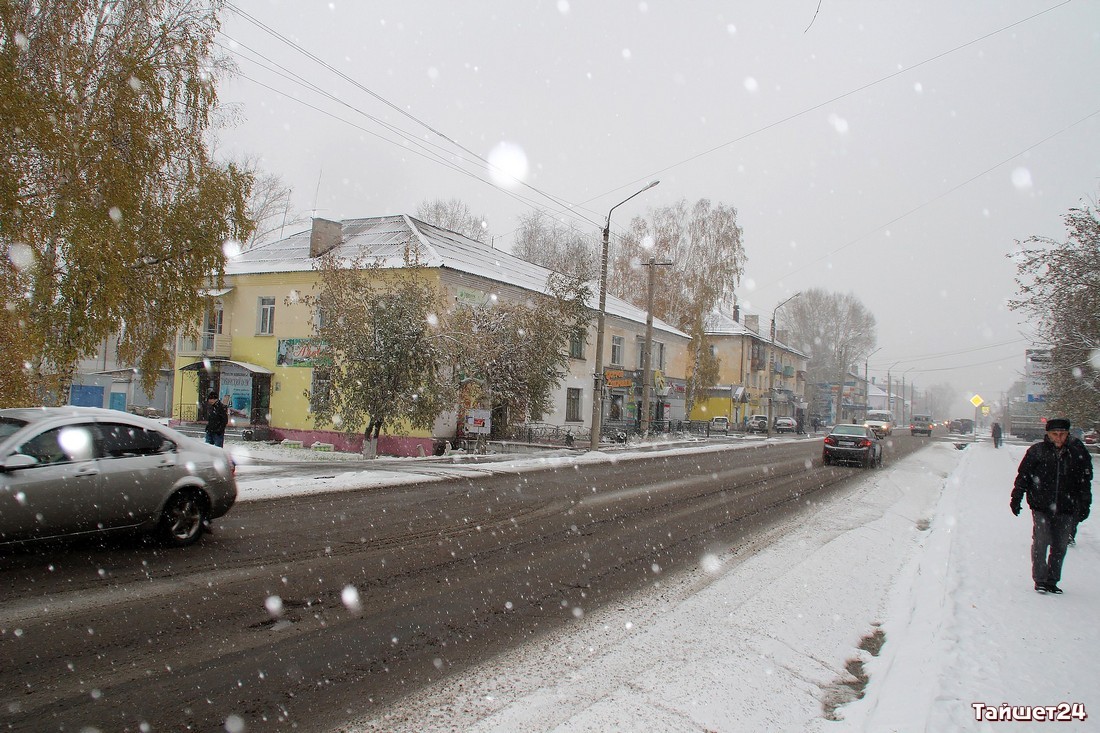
785, 425
720, 425
758, 424
68, 471
1091, 438
881, 421
852, 444
961, 425
921, 424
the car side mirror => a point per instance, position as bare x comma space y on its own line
18, 460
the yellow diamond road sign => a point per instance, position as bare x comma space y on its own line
976, 400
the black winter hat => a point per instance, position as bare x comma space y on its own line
1057, 423
214, 396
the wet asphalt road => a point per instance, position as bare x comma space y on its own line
302, 613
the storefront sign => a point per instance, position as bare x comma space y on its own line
617, 378
301, 353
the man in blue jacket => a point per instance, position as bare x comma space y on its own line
1056, 476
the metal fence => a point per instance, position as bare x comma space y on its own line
614, 431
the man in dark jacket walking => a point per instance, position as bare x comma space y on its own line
1056, 475
217, 417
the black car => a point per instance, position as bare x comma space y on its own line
852, 444
961, 425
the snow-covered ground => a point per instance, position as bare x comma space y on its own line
918, 580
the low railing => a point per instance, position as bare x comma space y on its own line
611, 431
564, 435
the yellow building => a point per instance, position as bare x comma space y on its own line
743, 382
256, 342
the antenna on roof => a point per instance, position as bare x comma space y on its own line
320, 173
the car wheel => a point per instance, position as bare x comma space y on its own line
183, 518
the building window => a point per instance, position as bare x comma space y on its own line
618, 345
572, 405
318, 390
576, 345
640, 343
658, 360
265, 320
212, 327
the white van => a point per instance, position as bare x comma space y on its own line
881, 421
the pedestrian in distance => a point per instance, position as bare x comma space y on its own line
1056, 476
996, 433
217, 417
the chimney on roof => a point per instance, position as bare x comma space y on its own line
324, 236
753, 323
736, 313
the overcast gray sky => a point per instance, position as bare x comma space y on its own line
894, 150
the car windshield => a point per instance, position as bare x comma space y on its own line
849, 430
9, 426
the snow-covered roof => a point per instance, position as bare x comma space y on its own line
719, 324
385, 239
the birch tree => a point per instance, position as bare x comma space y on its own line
1058, 285
454, 215
834, 330
512, 356
379, 331
557, 247
703, 247
113, 212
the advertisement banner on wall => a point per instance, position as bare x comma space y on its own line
478, 422
300, 352
238, 386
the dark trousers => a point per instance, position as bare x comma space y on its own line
218, 439
1049, 539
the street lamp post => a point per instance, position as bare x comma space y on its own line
597, 390
771, 366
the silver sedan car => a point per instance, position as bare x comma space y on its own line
79, 470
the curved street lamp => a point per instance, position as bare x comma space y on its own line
597, 390
771, 367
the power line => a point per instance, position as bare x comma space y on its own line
926, 357
569, 207
827, 102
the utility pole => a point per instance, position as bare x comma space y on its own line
771, 366
647, 363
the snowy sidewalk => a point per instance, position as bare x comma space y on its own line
766, 636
